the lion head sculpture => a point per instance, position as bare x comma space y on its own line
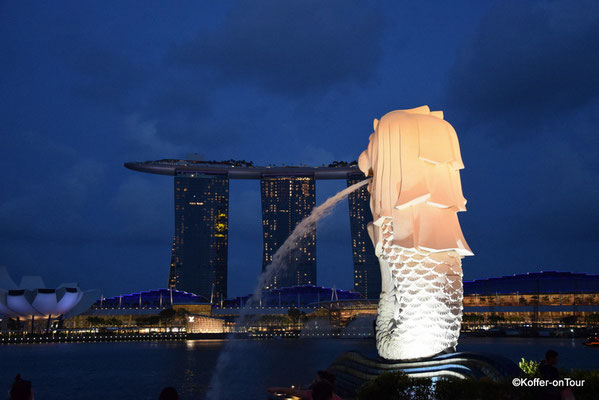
414, 159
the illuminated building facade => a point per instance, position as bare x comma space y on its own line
160, 310
286, 201
367, 274
545, 299
41, 308
199, 253
306, 296
542, 298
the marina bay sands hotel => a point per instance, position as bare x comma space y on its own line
200, 244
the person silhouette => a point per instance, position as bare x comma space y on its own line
20, 389
169, 393
322, 388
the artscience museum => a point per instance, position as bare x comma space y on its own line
33, 306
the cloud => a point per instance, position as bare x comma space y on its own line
142, 209
528, 58
562, 185
290, 48
144, 133
316, 155
107, 77
176, 98
68, 198
60, 207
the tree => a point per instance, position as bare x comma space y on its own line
275, 319
294, 314
530, 368
115, 321
472, 318
145, 321
522, 300
397, 386
495, 318
303, 317
95, 321
181, 313
592, 319
167, 315
569, 320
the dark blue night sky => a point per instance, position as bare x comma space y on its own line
87, 86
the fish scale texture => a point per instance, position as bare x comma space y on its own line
420, 309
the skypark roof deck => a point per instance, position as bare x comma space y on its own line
241, 169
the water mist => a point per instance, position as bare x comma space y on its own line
307, 225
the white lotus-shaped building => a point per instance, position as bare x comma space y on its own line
31, 299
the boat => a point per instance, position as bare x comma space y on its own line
593, 341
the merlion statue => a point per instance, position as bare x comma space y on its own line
415, 193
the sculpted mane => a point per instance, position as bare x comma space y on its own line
414, 159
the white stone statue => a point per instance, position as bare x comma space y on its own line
415, 193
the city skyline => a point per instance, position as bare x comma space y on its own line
89, 86
200, 247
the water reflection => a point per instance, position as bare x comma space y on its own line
141, 370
